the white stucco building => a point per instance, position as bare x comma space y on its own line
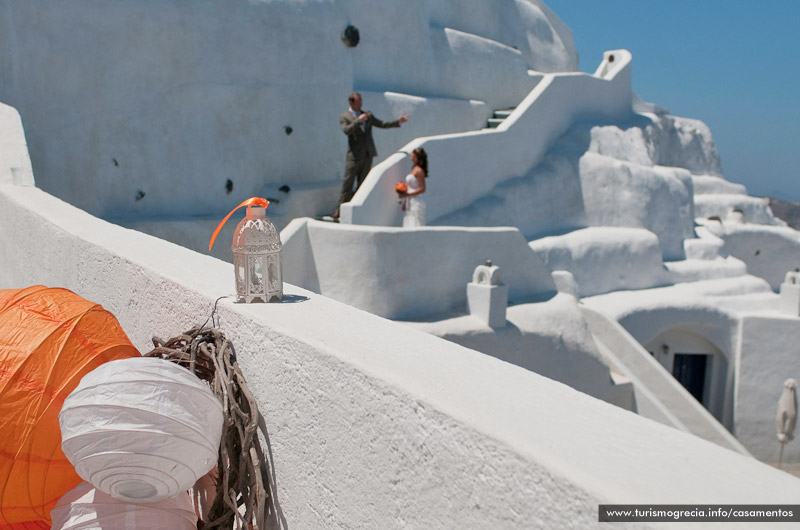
646, 339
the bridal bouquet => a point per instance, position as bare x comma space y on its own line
400, 187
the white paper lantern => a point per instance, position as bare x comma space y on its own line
86, 508
141, 429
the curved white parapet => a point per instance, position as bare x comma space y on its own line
357, 407
471, 164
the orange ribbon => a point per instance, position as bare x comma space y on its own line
252, 201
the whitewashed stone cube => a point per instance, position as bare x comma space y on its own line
487, 296
790, 294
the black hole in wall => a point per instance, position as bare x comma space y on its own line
285, 189
288, 130
350, 36
228, 186
273, 200
116, 164
757, 252
139, 195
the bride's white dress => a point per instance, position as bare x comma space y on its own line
415, 207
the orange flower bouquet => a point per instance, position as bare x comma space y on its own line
400, 187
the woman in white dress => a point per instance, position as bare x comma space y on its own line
413, 205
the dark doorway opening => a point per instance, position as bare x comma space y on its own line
690, 371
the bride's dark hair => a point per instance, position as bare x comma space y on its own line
422, 159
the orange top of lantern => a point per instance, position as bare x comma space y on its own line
252, 201
49, 339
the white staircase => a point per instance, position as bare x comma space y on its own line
498, 117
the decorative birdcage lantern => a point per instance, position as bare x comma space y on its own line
257, 258
256, 254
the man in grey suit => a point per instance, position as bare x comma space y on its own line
357, 125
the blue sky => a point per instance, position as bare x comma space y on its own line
733, 64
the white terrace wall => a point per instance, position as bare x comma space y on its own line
403, 273
371, 424
155, 105
465, 167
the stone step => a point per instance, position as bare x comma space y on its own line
692, 270
705, 246
497, 117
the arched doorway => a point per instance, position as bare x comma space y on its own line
698, 365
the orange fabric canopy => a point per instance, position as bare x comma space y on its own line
49, 339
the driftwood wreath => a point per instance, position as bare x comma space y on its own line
242, 486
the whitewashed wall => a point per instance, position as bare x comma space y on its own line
172, 99
374, 425
405, 273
